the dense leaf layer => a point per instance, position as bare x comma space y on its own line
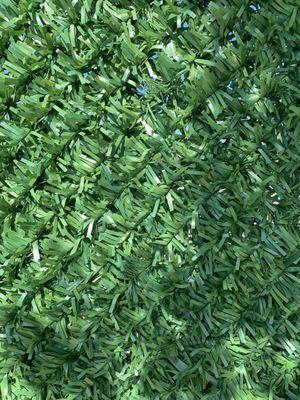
149, 204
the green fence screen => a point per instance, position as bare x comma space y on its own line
149, 200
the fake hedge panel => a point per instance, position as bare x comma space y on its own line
149, 200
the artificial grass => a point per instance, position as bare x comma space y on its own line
149, 200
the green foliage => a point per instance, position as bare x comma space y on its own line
149, 200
